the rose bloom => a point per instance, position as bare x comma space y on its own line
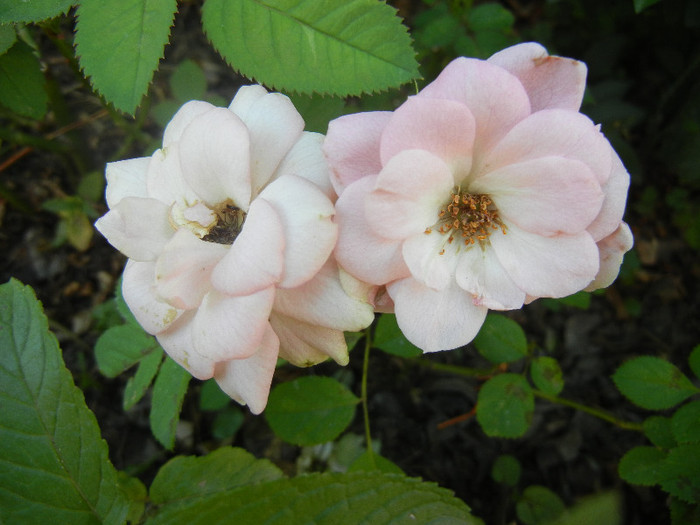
486, 190
228, 229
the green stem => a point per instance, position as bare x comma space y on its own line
459, 370
365, 410
600, 414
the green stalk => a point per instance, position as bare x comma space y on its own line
365, 410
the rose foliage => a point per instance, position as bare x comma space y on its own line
486, 190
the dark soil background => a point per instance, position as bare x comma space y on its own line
644, 87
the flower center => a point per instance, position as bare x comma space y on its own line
472, 217
229, 223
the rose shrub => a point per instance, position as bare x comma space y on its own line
228, 229
486, 190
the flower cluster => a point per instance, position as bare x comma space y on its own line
486, 190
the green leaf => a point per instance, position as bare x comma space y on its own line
505, 406
683, 513
685, 423
337, 47
227, 422
121, 347
310, 410
546, 375
490, 17
641, 5
325, 499
694, 361
119, 45
186, 477
658, 431
32, 10
506, 469
211, 397
501, 340
603, 508
318, 111
136, 494
642, 466
55, 467
188, 81
389, 338
681, 473
168, 394
138, 384
538, 505
22, 82
374, 463
653, 383
8, 36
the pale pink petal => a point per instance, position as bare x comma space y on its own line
480, 273
547, 196
274, 126
613, 208
352, 146
547, 266
550, 81
126, 178
248, 380
215, 158
177, 342
231, 327
184, 268
137, 227
612, 250
139, 292
443, 127
408, 194
306, 160
432, 258
165, 179
324, 301
245, 97
496, 98
184, 116
309, 231
256, 259
360, 250
556, 133
435, 320
304, 344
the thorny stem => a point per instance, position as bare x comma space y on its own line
365, 410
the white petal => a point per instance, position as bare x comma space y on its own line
615, 201
310, 234
184, 116
306, 160
612, 250
304, 344
165, 179
245, 98
177, 342
137, 227
248, 380
431, 258
126, 178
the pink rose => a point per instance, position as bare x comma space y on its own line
486, 190
228, 229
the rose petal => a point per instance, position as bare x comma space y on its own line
245, 98
360, 250
126, 178
547, 196
248, 380
306, 160
304, 344
547, 266
612, 250
165, 179
139, 292
496, 99
435, 320
184, 116
324, 301
215, 158
309, 232
231, 327
445, 128
615, 201
479, 272
431, 258
256, 259
553, 133
177, 342
137, 227
352, 146
550, 81
184, 267
408, 195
